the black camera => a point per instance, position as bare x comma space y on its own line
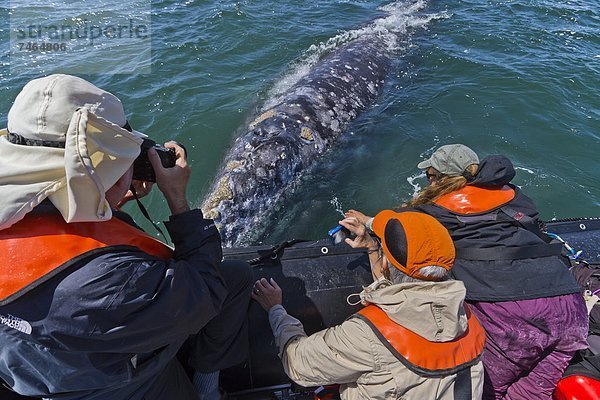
142, 167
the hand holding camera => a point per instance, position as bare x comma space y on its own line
172, 181
142, 167
141, 188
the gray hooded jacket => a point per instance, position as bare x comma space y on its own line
352, 355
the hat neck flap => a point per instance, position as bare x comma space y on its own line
75, 179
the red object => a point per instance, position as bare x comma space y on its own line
577, 387
329, 392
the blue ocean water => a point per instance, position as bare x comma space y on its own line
515, 77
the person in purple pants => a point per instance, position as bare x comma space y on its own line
517, 282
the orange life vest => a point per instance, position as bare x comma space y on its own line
432, 359
42, 245
474, 199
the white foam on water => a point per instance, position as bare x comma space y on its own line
539, 175
413, 181
428, 152
335, 202
401, 16
529, 171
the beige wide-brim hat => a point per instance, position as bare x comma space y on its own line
72, 149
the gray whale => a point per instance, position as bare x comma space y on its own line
290, 137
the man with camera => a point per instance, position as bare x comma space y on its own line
91, 307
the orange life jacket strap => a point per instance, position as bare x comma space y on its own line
40, 246
425, 358
475, 199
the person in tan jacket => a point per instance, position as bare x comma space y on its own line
415, 339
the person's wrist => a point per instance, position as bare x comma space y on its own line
373, 245
178, 204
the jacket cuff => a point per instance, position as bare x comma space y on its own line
188, 229
284, 326
369, 224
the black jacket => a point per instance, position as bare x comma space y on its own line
108, 328
503, 279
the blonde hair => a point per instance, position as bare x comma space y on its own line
444, 185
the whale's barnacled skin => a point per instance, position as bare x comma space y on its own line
290, 137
